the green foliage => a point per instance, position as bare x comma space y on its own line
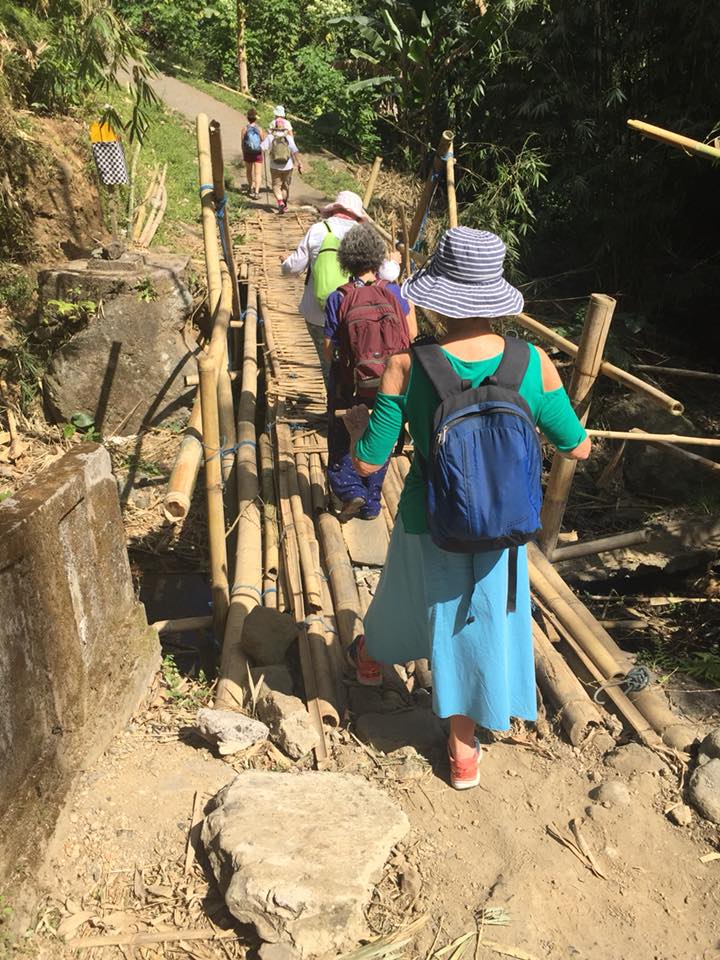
321, 175
84, 424
146, 292
56, 52
4, 494
76, 312
182, 691
16, 290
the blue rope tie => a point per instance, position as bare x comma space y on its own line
268, 590
242, 587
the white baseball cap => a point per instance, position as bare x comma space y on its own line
279, 110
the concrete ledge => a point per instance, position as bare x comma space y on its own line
76, 653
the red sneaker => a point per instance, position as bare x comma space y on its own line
465, 774
368, 671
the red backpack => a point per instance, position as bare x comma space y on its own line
371, 328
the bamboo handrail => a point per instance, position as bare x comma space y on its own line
451, 195
606, 369
675, 139
218, 176
655, 437
677, 371
370, 188
270, 531
587, 366
618, 541
712, 465
214, 494
247, 573
444, 144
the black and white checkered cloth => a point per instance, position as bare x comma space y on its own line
110, 162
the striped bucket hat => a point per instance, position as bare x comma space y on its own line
464, 277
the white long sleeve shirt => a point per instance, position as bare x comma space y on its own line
303, 258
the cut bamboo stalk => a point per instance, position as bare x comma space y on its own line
606, 369
141, 212
309, 576
677, 372
675, 139
318, 489
370, 188
159, 203
192, 379
183, 478
207, 204
557, 596
407, 265
182, 624
246, 593
158, 219
342, 580
338, 662
452, 197
601, 545
576, 711
214, 495
712, 465
270, 533
587, 366
655, 437
318, 641
218, 176
303, 474
445, 144
423, 674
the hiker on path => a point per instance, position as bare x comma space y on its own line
284, 156
366, 322
455, 586
324, 275
252, 138
279, 121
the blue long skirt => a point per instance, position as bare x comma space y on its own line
451, 608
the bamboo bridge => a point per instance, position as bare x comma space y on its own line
258, 430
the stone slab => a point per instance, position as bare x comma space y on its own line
297, 855
76, 653
366, 540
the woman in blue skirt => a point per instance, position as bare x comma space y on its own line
452, 608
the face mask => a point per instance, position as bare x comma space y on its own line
389, 271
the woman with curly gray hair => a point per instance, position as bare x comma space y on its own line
366, 322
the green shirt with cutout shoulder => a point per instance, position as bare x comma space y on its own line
552, 411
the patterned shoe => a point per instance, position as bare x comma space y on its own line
368, 671
465, 774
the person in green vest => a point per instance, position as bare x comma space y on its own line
317, 254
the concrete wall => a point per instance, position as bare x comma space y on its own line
76, 653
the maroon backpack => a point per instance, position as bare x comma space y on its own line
371, 328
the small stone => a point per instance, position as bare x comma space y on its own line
634, 758
229, 731
267, 635
290, 725
275, 676
710, 747
681, 815
407, 765
611, 793
287, 861
704, 790
603, 742
278, 951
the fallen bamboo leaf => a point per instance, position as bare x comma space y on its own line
585, 849
140, 939
70, 924
574, 849
514, 952
460, 941
387, 947
709, 857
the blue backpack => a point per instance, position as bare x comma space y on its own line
483, 471
251, 140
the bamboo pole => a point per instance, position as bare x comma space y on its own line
601, 545
183, 478
270, 532
246, 591
576, 711
158, 202
342, 580
452, 197
655, 437
675, 139
550, 587
407, 265
218, 176
712, 465
182, 624
677, 372
606, 369
141, 211
444, 144
587, 366
370, 188
207, 205
214, 495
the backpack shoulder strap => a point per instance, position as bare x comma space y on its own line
514, 363
438, 369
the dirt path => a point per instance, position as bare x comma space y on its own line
188, 101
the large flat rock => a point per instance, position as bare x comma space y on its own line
297, 855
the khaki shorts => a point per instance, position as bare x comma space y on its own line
281, 179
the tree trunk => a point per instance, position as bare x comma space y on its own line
241, 51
